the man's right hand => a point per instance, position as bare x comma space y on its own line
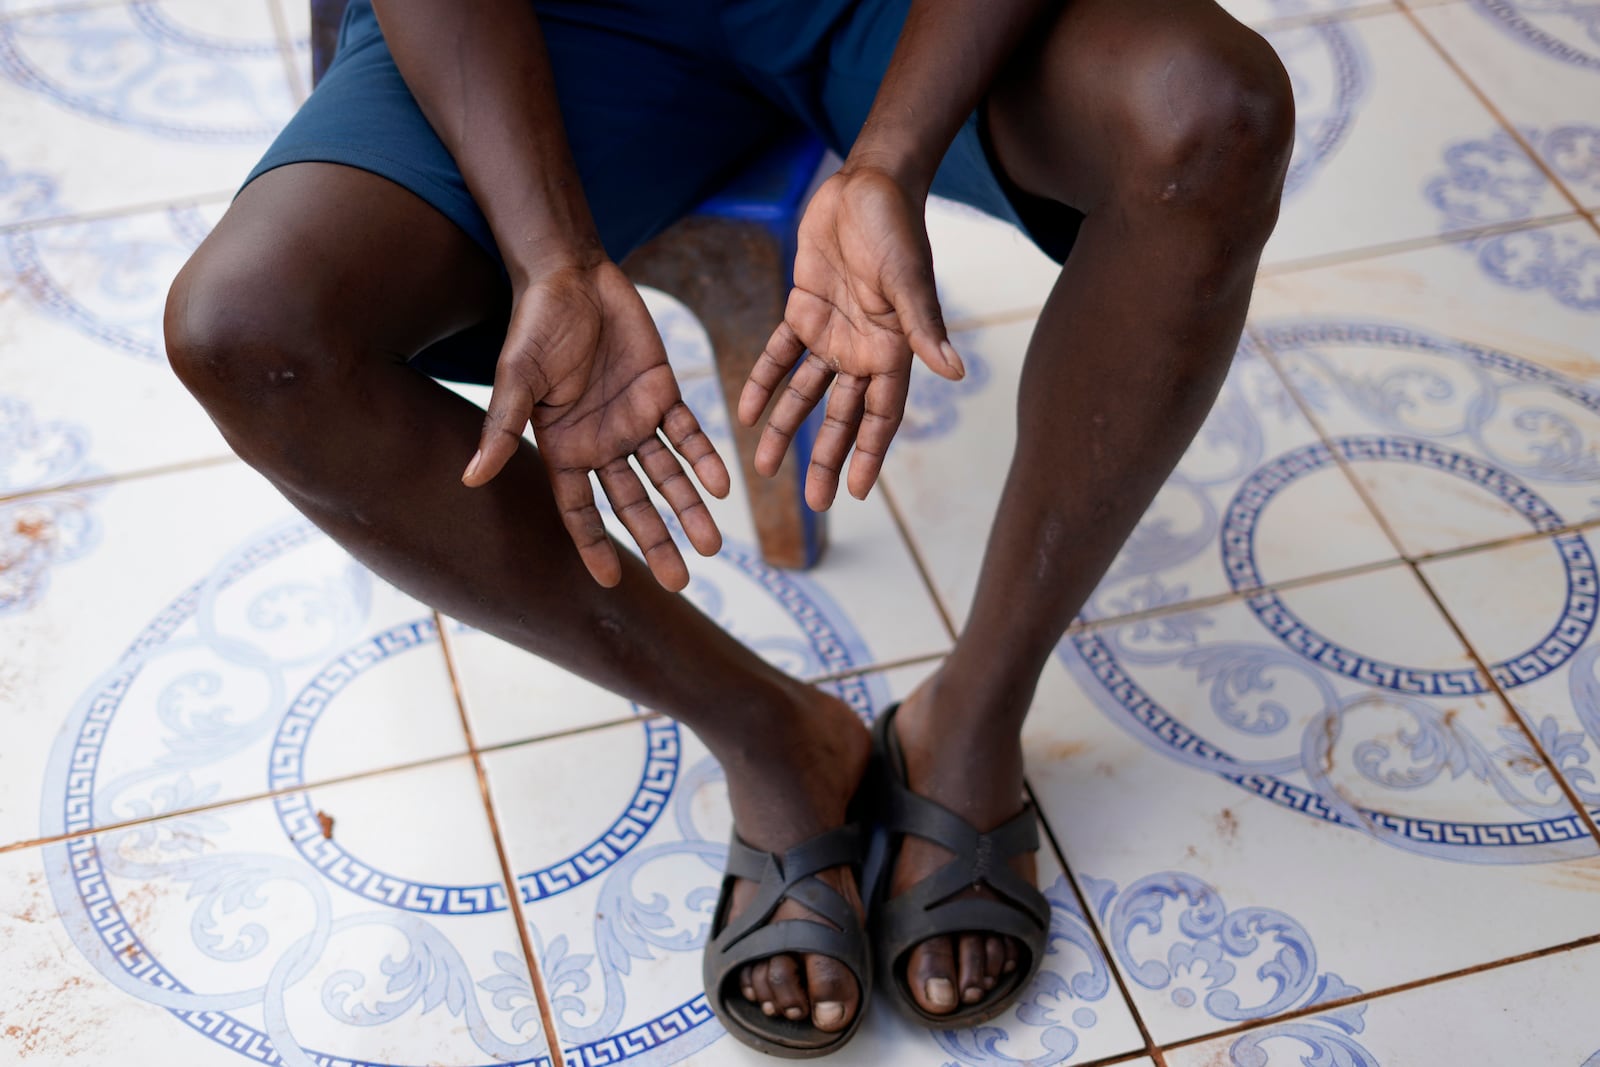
584, 364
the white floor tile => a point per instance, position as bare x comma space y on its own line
1233, 515
1539, 65
1539, 644
240, 933
1462, 390
618, 837
124, 104
1377, 111
1527, 1013
1298, 797
189, 639
84, 345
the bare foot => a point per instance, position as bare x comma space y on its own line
786, 790
955, 758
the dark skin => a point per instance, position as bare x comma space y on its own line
1164, 121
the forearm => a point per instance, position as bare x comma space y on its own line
482, 77
949, 53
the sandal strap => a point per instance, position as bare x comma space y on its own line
979, 858
792, 875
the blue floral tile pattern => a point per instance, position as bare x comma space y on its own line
120, 104
1459, 1021
617, 934
1305, 776
83, 324
1538, 61
254, 955
1226, 520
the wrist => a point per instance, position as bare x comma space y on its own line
536, 255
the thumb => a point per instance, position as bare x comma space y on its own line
916, 305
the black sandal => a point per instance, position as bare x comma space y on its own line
927, 909
751, 937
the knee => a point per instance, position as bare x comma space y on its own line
238, 342
1207, 126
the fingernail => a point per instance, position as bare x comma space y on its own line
940, 992
972, 994
768, 1008
952, 358
829, 1013
477, 458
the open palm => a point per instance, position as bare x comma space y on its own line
584, 364
863, 304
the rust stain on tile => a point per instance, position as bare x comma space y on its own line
325, 821
1060, 751
1227, 826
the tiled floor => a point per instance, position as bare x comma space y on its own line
1320, 766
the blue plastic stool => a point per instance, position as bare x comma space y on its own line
731, 263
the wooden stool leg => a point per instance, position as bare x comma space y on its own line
732, 275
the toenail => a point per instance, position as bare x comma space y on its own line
769, 1008
1010, 966
972, 994
749, 992
988, 982
794, 1013
940, 993
829, 1013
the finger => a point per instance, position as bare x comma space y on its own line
510, 406
838, 433
683, 431
885, 405
666, 474
639, 516
782, 352
805, 388
916, 305
575, 500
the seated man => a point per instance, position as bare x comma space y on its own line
461, 187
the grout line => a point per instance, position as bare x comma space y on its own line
1151, 1049
120, 211
1387, 991
878, 668
233, 802
513, 895
180, 467
1318, 18
1483, 98
993, 318
916, 558
1411, 244
1565, 786
297, 79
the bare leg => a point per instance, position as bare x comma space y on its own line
292, 325
1168, 124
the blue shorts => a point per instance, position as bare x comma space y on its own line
663, 101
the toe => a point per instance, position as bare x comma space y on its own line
747, 983
788, 987
969, 958
760, 980
931, 974
1012, 957
994, 960
835, 997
